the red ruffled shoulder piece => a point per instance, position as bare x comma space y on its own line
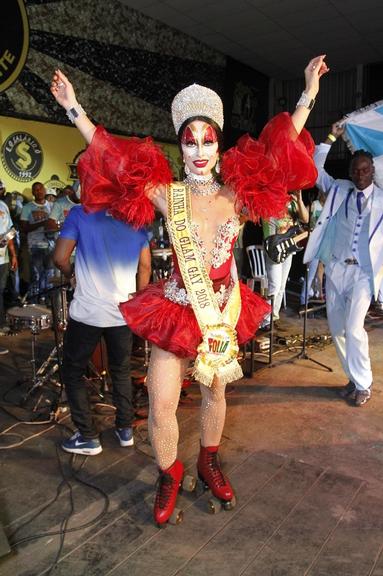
262, 172
114, 173
290, 151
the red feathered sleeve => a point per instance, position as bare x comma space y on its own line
114, 172
262, 172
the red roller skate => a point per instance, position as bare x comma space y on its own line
210, 473
169, 483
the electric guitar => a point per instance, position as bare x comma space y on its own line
279, 246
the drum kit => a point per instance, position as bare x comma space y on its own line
162, 263
37, 318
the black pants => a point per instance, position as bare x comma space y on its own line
79, 344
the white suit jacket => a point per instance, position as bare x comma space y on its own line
322, 237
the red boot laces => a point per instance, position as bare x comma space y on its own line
164, 490
212, 462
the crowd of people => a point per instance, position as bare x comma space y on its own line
26, 258
34, 225
202, 312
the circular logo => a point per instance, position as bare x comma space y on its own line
14, 42
22, 156
54, 182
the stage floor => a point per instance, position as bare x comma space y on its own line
305, 465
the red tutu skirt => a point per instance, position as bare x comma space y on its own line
173, 327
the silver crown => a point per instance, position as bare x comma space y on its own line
196, 100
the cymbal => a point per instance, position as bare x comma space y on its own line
161, 252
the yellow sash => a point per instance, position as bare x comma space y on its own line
217, 353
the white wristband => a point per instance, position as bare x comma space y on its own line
75, 112
306, 101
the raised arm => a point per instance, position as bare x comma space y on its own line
337, 129
325, 181
64, 94
313, 72
122, 175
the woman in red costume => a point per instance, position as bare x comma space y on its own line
201, 312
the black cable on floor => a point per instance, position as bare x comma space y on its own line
63, 528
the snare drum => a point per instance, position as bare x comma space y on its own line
161, 252
28, 317
162, 263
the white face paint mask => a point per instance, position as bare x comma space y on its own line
199, 145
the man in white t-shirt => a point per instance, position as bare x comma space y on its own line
32, 222
112, 261
61, 209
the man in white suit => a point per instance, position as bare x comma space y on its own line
348, 239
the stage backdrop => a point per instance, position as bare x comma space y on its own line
37, 151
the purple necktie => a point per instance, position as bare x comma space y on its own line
359, 199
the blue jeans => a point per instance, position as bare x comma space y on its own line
4, 271
41, 269
79, 344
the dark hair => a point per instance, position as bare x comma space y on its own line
362, 154
36, 184
203, 119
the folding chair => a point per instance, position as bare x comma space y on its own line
256, 256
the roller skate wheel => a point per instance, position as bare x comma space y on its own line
200, 488
189, 483
176, 517
230, 504
214, 506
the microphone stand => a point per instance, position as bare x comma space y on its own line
302, 355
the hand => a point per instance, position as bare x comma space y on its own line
155, 192
337, 129
13, 262
313, 72
63, 91
296, 195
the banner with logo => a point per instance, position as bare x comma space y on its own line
364, 130
33, 151
14, 41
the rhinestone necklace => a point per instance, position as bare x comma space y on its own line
202, 185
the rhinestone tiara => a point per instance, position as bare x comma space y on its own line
196, 100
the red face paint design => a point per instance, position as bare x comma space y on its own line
199, 143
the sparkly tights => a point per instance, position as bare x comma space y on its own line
165, 376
